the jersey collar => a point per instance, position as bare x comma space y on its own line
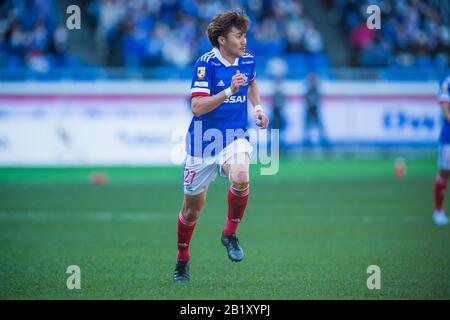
222, 59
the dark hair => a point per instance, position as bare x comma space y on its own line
222, 24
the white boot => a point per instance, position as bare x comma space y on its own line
440, 218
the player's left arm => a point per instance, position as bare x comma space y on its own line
261, 119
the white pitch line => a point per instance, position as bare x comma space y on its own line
90, 216
153, 216
365, 219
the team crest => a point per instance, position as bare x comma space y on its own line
201, 73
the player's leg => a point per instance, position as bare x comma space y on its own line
320, 127
440, 189
238, 174
440, 185
187, 219
197, 177
237, 170
307, 128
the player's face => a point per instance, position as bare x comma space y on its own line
235, 42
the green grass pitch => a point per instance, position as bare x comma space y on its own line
309, 232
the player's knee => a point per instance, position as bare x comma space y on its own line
241, 186
239, 179
445, 174
192, 213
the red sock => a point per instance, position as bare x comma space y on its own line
440, 188
237, 202
185, 230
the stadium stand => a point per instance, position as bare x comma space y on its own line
32, 36
414, 33
160, 39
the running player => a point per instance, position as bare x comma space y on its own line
440, 185
216, 140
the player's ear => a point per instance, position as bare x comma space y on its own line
221, 40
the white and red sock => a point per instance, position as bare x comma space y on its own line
237, 202
440, 188
185, 230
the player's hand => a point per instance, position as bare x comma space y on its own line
261, 120
237, 81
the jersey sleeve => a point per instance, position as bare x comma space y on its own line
201, 79
253, 72
444, 91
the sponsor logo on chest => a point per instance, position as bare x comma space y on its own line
236, 99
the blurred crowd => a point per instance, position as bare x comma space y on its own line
146, 33
31, 35
172, 32
414, 33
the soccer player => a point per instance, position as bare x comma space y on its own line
440, 185
222, 80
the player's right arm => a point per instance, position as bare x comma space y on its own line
201, 105
444, 99
445, 110
201, 100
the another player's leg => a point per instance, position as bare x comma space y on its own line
440, 189
237, 170
187, 219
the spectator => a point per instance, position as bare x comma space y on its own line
277, 119
312, 39
312, 114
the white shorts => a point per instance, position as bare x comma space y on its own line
444, 156
199, 173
